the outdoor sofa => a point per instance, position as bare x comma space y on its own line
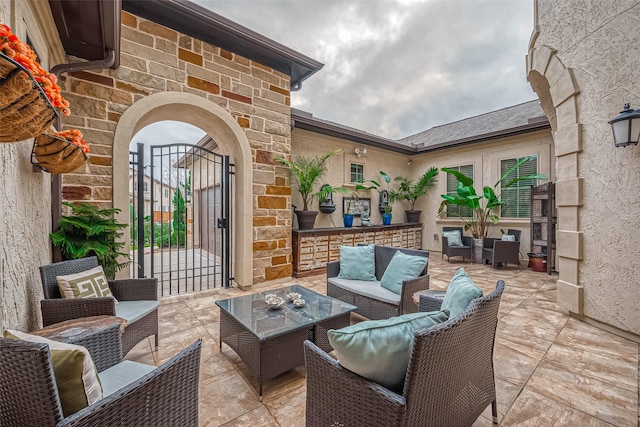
372, 300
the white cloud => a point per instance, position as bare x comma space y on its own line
395, 68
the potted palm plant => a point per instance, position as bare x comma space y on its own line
306, 173
482, 206
412, 190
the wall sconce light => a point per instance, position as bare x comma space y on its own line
626, 127
360, 151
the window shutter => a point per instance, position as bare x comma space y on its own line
518, 196
452, 182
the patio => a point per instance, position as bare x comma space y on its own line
550, 369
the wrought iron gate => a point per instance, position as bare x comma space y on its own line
180, 216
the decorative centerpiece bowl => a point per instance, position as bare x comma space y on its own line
298, 302
273, 301
292, 296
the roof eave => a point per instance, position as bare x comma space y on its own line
307, 122
329, 129
505, 133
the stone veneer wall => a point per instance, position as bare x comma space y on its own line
158, 59
584, 63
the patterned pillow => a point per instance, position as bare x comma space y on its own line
87, 284
453, 237
75, 373
509, 237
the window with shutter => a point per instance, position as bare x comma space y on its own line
517, 198
452, 182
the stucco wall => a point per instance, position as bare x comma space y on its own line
312, 144
598, 41
25, 211
485, 157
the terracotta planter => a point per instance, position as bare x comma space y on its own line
306, 219
413, 215
538, 262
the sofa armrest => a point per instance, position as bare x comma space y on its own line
333, 269
431, 302
135, 289
410, 287
337, 396
104, 345
60, 309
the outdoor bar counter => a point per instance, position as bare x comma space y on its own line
312, 249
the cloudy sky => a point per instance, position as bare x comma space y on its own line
395, 68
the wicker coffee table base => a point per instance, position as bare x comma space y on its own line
268, 358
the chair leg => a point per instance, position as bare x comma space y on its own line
494, 411
156, 341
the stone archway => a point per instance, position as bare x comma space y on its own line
225, 131
557, 90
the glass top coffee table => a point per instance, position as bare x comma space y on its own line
270, 342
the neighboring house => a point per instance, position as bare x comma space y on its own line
161, 60
161, 198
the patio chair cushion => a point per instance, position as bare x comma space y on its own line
75, 373
122, 374
371, 290
509, 237
460, 292
402, 267
379, 349
86, 284
131, 311
358, 263
453, 237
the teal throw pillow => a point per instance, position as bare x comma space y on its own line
357, 263
509, 237
380, 349
460, 293
402, 267
454, 238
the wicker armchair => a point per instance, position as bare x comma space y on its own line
56, 309
449, 381
164, 396
465, 251
371, 307
497, 251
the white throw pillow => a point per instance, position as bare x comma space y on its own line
454, 238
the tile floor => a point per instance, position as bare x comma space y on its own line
550, 369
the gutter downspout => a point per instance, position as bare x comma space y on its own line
112, 59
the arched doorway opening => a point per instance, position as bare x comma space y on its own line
180, 207
227, 134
